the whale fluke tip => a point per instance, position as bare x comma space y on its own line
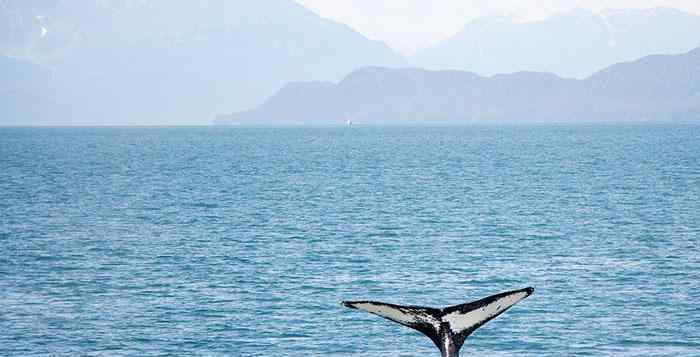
348, 304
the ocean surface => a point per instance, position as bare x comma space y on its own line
243, 241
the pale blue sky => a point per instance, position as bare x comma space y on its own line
407, 25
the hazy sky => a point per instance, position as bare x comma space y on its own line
410, 24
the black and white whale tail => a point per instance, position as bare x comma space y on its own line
448, 327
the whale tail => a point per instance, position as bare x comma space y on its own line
448, 327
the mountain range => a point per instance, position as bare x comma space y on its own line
125, 62
573, 44
654, 88
156, 61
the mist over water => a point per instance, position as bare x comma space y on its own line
242, 242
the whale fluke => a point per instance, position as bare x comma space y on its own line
448, 327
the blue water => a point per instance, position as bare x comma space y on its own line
241, 242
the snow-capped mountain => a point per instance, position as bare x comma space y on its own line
573, 44
150, 61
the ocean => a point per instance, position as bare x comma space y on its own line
243, 241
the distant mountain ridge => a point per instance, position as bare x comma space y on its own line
573, 44
138, 61
654, 88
